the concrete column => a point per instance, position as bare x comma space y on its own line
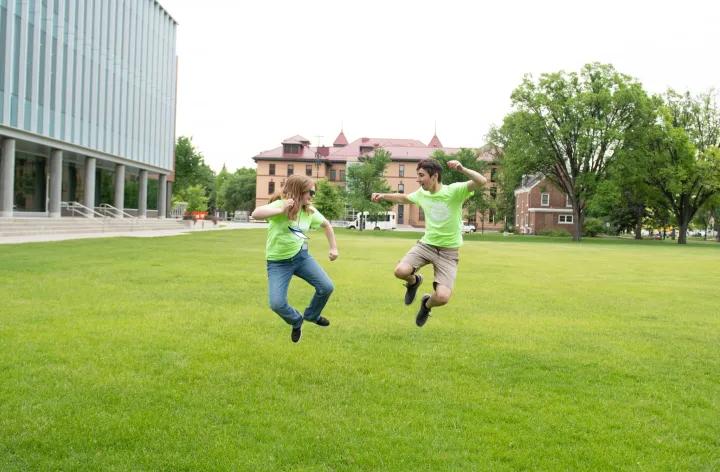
89, 197
119, 189
142, 194
162, 196
56, 161
7, 178
168, 199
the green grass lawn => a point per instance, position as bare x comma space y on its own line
161, 354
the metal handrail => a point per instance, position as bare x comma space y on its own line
107, 206
80, 208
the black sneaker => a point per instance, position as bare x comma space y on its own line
296, 333
321, 321
423, 312
412, 289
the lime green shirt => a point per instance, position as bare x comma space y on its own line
282, 243
443, 213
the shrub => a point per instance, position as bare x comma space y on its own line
554, 233
593, 226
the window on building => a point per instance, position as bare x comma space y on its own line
291, 148
401, 188
272, 169
544, 199
401, 171
493, 174
271, 187
308, 170
342, 174
333, 175
291, 169
565, 219
493, 192
568, 203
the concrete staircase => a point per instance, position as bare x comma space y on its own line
10, 227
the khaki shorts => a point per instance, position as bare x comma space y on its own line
444, 260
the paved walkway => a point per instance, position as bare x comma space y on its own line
199, 226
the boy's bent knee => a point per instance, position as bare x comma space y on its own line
403, 271
442, 295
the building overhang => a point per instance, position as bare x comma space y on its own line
43, 145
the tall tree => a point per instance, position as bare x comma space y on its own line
570, 127
684, 158
190, 167
366, 177
237, 191
329, 200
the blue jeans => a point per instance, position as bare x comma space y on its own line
304, 266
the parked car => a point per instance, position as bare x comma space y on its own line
468, 228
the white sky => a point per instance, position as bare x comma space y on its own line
252, 73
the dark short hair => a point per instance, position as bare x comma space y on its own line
431, 166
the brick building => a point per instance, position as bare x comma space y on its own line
296, 155
541, 206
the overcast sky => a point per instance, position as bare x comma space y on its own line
254, 73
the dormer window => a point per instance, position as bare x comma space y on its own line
545, 199
364, 149
292, 148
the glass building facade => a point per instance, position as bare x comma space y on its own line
91, 83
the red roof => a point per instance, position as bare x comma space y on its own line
341, 140
400, 149
435, 142
308, 152
297, 139
352, 150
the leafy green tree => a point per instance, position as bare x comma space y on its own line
237, 191
366, 177
708, 215
190, 168
625, 199
195, 198
220, 179
684, 158
570, 126
329, 200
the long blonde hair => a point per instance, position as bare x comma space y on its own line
295, 186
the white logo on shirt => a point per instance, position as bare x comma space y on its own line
439, 211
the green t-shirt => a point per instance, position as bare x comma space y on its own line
443, 213
282, 242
